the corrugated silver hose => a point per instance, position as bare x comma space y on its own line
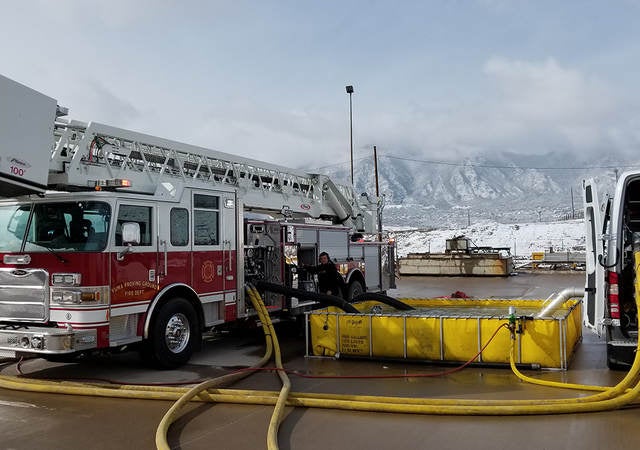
556, 301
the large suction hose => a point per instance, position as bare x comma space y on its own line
327, 300
330, 300
556, 301
394, 302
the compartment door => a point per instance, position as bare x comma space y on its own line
594, 218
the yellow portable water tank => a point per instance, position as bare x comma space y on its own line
448, 330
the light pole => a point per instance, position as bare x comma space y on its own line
350, 91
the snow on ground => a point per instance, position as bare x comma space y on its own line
522, 239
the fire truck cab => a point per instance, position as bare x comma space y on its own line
110, 237
613, 235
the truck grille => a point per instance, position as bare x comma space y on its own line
24, 295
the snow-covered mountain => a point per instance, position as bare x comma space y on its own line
419, 193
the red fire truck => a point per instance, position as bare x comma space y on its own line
110, 238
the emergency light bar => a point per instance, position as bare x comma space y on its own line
113, 183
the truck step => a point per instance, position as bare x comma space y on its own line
623, 343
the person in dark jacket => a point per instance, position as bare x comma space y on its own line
329, 280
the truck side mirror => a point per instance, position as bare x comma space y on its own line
130, 233
130, 236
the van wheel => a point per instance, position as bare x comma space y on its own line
614, 364
173, 335
355, 289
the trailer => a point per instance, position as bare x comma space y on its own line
459, 259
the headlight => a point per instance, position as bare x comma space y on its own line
66, 279
66, 297
85, 296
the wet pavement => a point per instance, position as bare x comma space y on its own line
34, 421
531, 285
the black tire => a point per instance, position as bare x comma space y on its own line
615, 365
619, 358
355, 289
174, 334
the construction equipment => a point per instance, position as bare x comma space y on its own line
110, 237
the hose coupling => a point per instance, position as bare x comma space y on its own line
512, 322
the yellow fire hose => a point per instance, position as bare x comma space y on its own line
174, 412
276, 417
614, 397
273, 346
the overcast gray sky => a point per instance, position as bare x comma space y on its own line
435, 79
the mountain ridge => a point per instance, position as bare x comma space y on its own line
506, 187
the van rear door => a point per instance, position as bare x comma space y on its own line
595, 218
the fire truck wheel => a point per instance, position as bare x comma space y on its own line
174, 334
355, 289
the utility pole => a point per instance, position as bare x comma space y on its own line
375, 165
573, 211
379, 209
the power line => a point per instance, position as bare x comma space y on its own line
317, 169
487, 166
491, 166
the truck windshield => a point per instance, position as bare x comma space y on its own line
61, 226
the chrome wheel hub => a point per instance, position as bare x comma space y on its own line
177, 333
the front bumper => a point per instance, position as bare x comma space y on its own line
27, 340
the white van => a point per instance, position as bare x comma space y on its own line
613, 235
